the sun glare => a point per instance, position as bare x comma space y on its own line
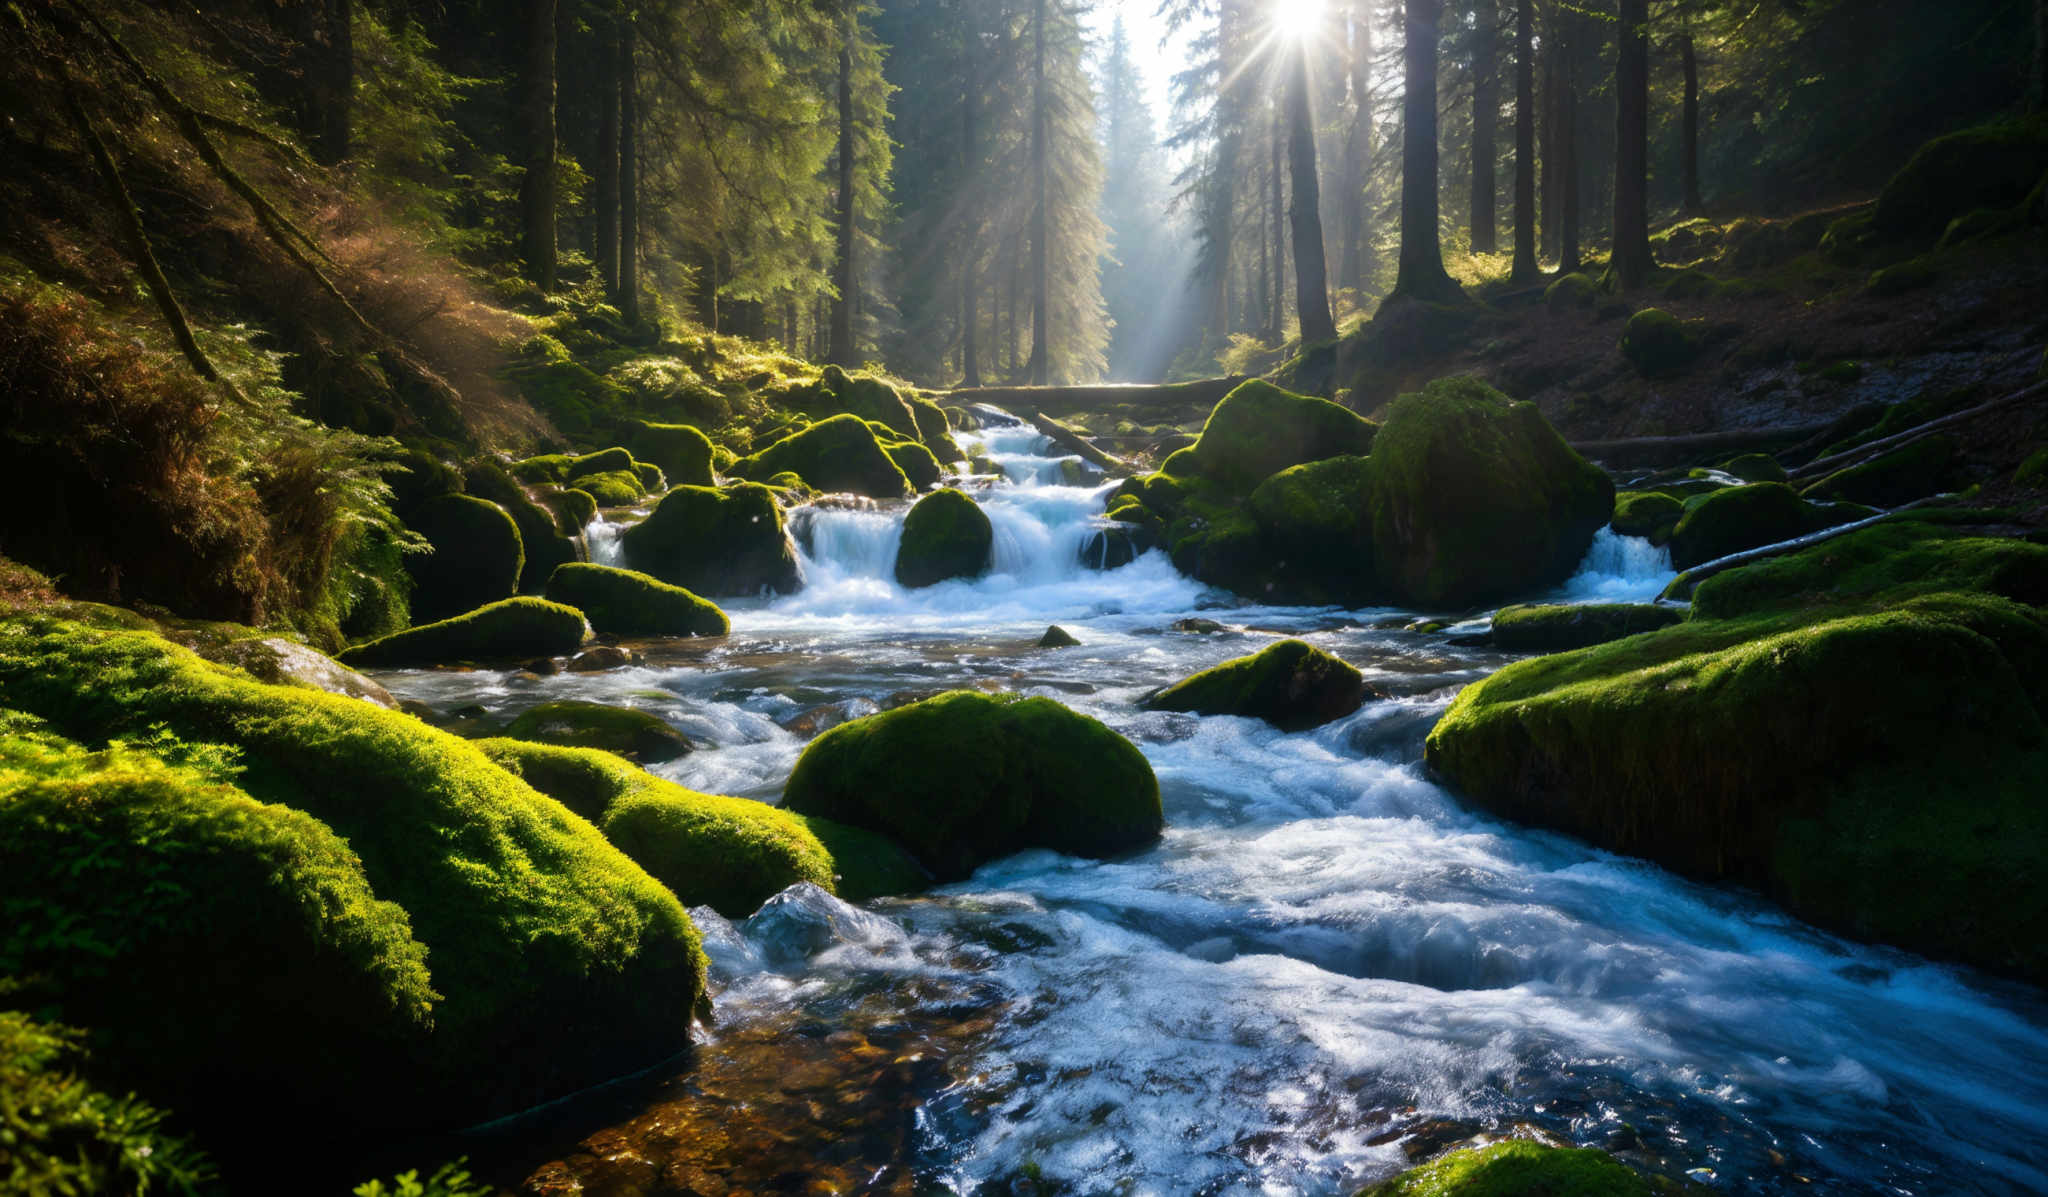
1296, 20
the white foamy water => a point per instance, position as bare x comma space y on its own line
1326, 952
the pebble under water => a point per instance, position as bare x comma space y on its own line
1327, 969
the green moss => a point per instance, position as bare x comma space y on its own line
615, 488
1755, 467
477, 556
651, 478
946, 535
1989, 166
1571, 292
1646, 513
623, 731
574, 398
1316, 524
1475, 497
1519, 1168
543, 544
1876, 423
965, 778
1911, 472
65, 1136
1180, 464
1692, 284
1551, 629
934, 432
1741, 517
574, 509
2034, 470
1659, 344
715, 542
839, 454
1291, 684
1879, 566
620, 602
867, 397
682, 452
1259, 429
509, 629
1914, 274
1225, 550
531, 921
917, 463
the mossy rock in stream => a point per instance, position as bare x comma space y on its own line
1907, 473
518, 628
561, 468
1258, 430
1554, 629
717, 543
1520, 1168
1316, 523
933, 430
1740, 518
682, 452
622, 602
839, 454
614, 488
965, 778
574, 509
1292, 685
558, 962
1475, 497
870, 398
1878, 771
946, 535
540, 538
917, 463
477, 556
1646, 513
730, 854
1755, 467
622, 731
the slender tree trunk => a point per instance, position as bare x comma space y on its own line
1525, 267
844, 352
970, 315
1689, 165
537, 111
338, 82
1422, 273
1550, 182
1569, 257
1275, 299
606, 168
1355, 201
1485, 116
1311, 287
629, 171
1632, 147
1040, 364
2037, 99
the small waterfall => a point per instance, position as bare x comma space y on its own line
602, 537
1619, 569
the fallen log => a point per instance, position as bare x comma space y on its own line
1682, 586
1862, 453
1636, 452
1073, 442
1059, 401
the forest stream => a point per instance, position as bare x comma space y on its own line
1327, 968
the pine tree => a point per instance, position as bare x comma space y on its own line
1631, 160
1422, 274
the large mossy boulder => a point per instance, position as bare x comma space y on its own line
1886, 563
513, 629
1259, 429
1475, 498
682, 453
622, 731
1740, 518
553, 961
477, 556
946, 535
1555, 629
1292, 685
720, 543
613, 488
1659, 344
539, 536
1520, 1168
622, 602
1989, 166
839, 454
730, 854
1316, 522
1910, 472
965, 778
870, 398
1646, 513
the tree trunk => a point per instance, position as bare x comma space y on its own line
1632, 147
1040, 365
844, 353
1689, 164
1352, 269
1569, 257
337, 83
2037, 100
1422, 274
1276, 303
537, 124
629, 172
1525, 267
606, 168
1311, 286
1485, 116
1550, 185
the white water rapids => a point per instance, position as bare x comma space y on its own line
1326, 953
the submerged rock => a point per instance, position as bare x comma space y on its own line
1057, 637
502, 631
835, 454
965, 778
1292, 685
1559, 628
477, 556
622, 602
946, 535
624, 731
716, 542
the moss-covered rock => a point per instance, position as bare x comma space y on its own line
934, 432
532, 923
621, 602
1913, 274
652, 480
1646, 513
730, 854
946, 535
1259, 429
1741, 517
1475, 497
964, 778
1756, 467
1886, 564
1553, 629
839, 454
540, 538
716, 542
1659, 344
1292, 685
1990, 166
1910, 472
574, 509
682, 452
622, 731
870, 398
1316, 523
477, 556
1519, 1168
917, 463
1571, 292
502, 631
614, 488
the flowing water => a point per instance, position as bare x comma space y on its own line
1327, 967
